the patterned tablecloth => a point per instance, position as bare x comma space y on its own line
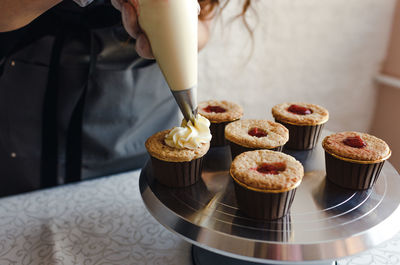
104, 221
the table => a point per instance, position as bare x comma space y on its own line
104, 221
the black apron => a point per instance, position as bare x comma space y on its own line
76, 101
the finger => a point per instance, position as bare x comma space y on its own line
143, 47
117, 4
129, 20
135, 4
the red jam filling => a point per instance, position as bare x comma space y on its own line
296, 109
271, 168
354, 141
216, 109
257, 132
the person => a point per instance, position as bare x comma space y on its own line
79, 90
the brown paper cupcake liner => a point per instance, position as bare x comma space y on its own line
218, 134
238, 149
177, 174
356, 176
263, 205
302, 137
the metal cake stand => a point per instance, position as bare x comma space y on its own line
325, 223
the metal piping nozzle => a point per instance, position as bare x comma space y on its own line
186, 100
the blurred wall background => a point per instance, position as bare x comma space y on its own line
386, 121
325, 52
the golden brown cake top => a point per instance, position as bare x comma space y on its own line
220, 110
267, 170
300, 113
157, 148
356, 146
257, 133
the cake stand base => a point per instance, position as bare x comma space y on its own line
204, 257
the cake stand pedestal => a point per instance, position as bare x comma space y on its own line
325, 223
201, 256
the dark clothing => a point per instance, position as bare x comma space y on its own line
76, 101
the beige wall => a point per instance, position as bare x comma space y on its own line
392, 62
326, 52
386, 122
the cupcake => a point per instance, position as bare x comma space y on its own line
250, 135
265, 183
219, 113
304, 121
177, 154
354, 160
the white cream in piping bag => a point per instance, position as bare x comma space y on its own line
171, 26
189, 135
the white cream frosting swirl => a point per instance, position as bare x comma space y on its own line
188, 135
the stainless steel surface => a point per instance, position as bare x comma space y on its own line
326, 222
186, 100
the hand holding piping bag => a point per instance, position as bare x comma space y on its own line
129, 12
168, 32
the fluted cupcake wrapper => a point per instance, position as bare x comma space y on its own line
177, 174
238, 149
302, 137
263, 205
218, 134
352, 175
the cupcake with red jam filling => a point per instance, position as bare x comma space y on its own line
250, 135
354, 160
219, 113
304, 121
177, 154
265, 183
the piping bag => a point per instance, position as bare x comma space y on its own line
171, 27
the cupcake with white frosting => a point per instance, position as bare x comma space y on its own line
177, 154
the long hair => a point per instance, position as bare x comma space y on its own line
208, 8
